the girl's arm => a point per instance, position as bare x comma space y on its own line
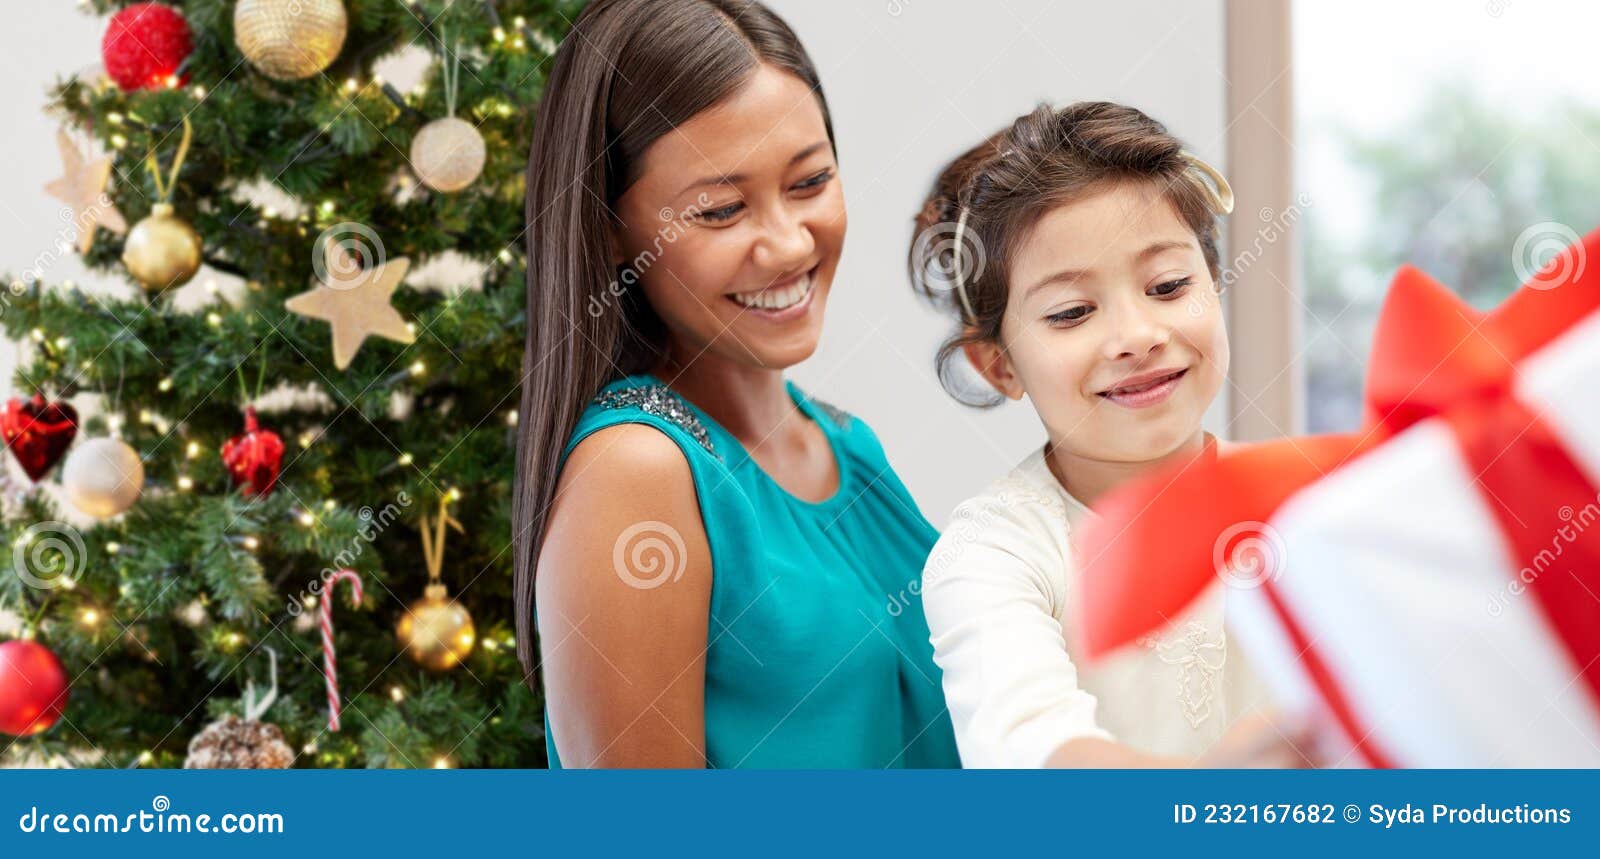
624, 666
988, 592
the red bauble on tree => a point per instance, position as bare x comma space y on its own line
253, 457
33, 688
38, 432
144, 46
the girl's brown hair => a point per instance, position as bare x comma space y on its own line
1045, 159
627, 73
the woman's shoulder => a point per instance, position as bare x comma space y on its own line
642, 400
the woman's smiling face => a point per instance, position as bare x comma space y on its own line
1112, 326
737, 219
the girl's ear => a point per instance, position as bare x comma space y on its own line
994, 365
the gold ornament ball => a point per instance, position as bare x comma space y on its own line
448, 154
103, 477
435, 632
289, 39
162, 250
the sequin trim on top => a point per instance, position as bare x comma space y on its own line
659, 400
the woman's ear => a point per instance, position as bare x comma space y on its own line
614, 231
992, 362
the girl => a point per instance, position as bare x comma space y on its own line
708, 548
1078, 250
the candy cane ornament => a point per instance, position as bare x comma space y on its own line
329, 669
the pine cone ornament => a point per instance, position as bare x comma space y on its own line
232, 743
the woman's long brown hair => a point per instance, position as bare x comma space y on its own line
628, 72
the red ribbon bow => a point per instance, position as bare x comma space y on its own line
1156, 546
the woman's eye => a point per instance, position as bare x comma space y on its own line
1170, 289
816, 181
722, 214
1069, 317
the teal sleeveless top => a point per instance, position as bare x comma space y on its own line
818, 652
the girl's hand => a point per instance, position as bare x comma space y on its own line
1261, 742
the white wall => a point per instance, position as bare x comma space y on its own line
911, 83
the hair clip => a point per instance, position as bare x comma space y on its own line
955, 265
1220, 191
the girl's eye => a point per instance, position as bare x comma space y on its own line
1170, 289
1069, 317
816, 181
723, 214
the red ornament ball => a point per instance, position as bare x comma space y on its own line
33, 688
253, 457
144, 45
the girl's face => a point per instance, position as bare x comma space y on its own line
1113, 328
736, 222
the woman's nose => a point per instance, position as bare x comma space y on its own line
786, 242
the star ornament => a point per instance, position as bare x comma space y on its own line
355, 301
83, 190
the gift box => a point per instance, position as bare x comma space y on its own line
1426, 589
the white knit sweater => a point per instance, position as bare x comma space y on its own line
1001, 591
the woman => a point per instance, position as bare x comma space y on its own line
724, 569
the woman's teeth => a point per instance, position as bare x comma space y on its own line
776, 298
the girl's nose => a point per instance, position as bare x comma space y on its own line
1135, 335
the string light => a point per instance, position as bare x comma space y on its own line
511, 417
119, 141
165, 385
89, 617
199, 92
306, 518
453, 494
114, 118
113, 547
405, 459
441, 763
185, 483
306, 439
214, 320
418, 368
145, 757
329, 505
37, 334
396, 694
251, 543
193, 450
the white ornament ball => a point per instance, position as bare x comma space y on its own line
448, 154
103, 477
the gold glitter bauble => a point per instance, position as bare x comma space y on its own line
447, 154
289, 39
436, 632
162, 250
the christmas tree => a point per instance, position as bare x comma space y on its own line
199, 455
